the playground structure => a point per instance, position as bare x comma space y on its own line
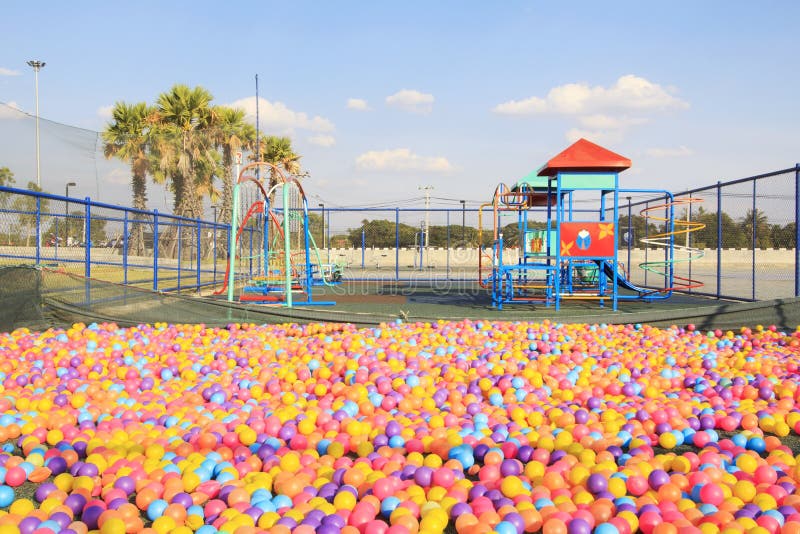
287, 260
565, 257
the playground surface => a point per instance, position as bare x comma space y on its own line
63, 302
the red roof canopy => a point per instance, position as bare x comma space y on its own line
585, 156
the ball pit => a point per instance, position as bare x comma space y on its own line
468, 427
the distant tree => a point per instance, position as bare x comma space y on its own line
763, 237
732, 236
783, 236
97, 228
25, 205
638, 224
315, 227
382, 233
6, 177
6, 180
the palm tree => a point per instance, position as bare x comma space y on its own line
185, 148
279, 152
232, 135
127, 138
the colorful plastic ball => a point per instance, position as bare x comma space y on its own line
606, 528
505, 527
712, 494
16, 476
7, 496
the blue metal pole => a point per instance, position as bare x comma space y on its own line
199, 254
448, 243
55, 244
155, 250
250, 254
719, 238
38, 230
179, 255
646, 246
363, 245
125, 248
88, 219
499, 272
422, 246
215, 249
630, 238
797, 230
397, 243
689, 239
307, 241
753, 241
88, 266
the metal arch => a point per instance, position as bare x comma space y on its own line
292, 180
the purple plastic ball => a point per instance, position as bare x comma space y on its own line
596, 483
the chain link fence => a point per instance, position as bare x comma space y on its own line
742, 244
111, 243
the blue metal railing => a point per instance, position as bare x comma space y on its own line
175, 247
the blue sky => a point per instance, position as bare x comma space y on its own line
383, 97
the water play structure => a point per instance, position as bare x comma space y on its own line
573, 253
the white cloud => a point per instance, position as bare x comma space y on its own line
411, 100
277, 118
628, 93
401, 159
357, 104
322, 140
606, 122
678, 152
9, 72
610, 136
11, 110
104, 112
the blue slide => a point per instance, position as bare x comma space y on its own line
622, 282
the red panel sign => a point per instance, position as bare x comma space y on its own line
587, 239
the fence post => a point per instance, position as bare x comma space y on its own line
448, 243
180, 253
363, 245
753, 263
630, 239
689, 240
155, 250
88, 237
38, 230
286, 254
397, 244
646, 244
125, 248
199, 252
797, 229
719, 238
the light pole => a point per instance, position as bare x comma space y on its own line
463, 220
37, 66
427, 189
66, 211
